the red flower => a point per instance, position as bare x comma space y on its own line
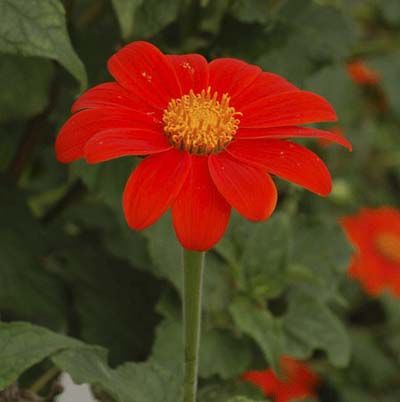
214, 132
323, 142
376, 235
298, 381
361, 74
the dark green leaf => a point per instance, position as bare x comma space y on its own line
126, 10
311, 325
109, 295
260, 325
38, 28
26, 79
242, 399
27, 291
334, 84
388, 68
251, 10
153, 16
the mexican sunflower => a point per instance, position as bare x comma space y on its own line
362, 74
375, 233
298, 381
336, 130
212, 134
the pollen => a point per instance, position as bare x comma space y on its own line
199, 123
388, 244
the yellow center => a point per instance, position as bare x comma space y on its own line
389, 246
199, 123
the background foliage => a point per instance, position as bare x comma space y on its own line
102, 302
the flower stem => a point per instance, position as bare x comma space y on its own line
193, 264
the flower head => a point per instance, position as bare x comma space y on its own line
298, 381
362, 74
375, 233
212, 133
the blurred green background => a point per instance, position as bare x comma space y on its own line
69, 263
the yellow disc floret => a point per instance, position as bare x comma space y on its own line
199, 123
389, 246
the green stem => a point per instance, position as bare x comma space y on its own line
193, 264
42, 381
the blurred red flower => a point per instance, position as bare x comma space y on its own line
362, 74
298, 381
375, 233
214, 132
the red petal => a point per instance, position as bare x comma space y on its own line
109, 94
153, 186
231, 76
297, 132
266, 84
247, 188
287, 160
142, 69
115, 143
191, 70
286, 109
200, 214
77, 131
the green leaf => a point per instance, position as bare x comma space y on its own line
366, 349
23, 345
390, 10
216, 357
106, 180
311, 325
27, 290
168, 345
242, 399
126, 10
320, 248
38, 28
101, 286
222, 354
153, 16
251, 11
260, 325
324, 32
212, 16
131, 382
311, 36
23, 78
388, 68
224, 392
334, 84
264, 266
165, 251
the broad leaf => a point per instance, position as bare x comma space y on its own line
27, 290
38, 28
23, 345
26, 79
126, 10
264, 258
260, 325
131, 382
310, 325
